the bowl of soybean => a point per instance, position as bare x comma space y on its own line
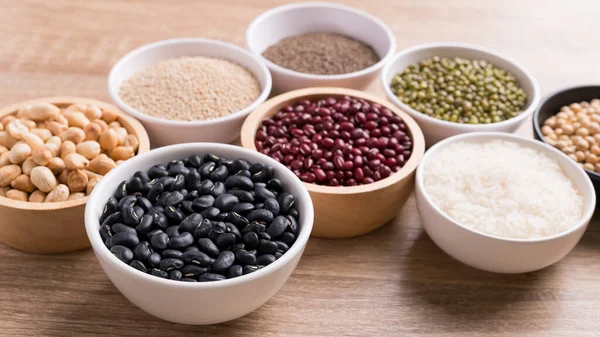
455, 88
320, 45
189, 89
214, 292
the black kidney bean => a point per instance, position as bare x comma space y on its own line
143, 202
129, 240
155, 210
252, 227
262, 215
206, 169
208, 247
184, 192
265, 259
193, 180
121, 190
170, 264
159, 273
234, 271
210, 277
275, 185
272, 205
203, 202
195, 161
242, 207
203, 230
159, 241
218, 189
243, 196
262, 193
171, 253
223, 261
193, 270
191, 222
105, 232
222, 216
225, 202
278, 254
109, 208
239, 165
237, 220
267, 247
173, 198
175, 170
154, 260
142, 251
256, 167
225, 162
264, 175
264, 236
238, 247
293, 224
287, 238
244, 173
219, 174
293, 213
155, 191
210, 213
112, 219
251, 240
122, 253
138, 211
282, 246
178, 183
139, 265
172, 231
225, 241
119, 227
218, 228
162, 197
126, 202
210, 157
175, 275
174, 163
205, 187
250, 269
278, 226
181, 241
196, 257
188, 279
239, 181
231, 228
286, 201
259, 205
157, 171
134, 185
245, 258
186, 207
174, 214
160, 221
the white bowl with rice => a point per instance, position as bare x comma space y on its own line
503, 203
189, 89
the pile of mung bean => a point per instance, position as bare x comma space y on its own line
460, 90
200, 219
52, 153
575, 130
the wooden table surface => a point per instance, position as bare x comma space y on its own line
394, 281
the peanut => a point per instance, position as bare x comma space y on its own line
67, 148
77, 195
56, 128
109, 139
23, 183
4, 159
101, 164
43, 178
44, 134
77, 181
19, 152
28, 165
28, 123
75, 161
60, 119
7, 140
8, 174
92, 112
76, 107
132, 142
7, 119
3, 149
74, 134
1, 127
89, 149
41, 111
17, 129
54, 149
56, 165
76, 119
37, 196
91, 184
114, 125
3, 190
122, 135
63, 177
33, 140
102, 124
92, 131
59, 193
121, 153
41, 156
109, 116
17, 195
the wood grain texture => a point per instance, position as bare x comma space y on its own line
392, 282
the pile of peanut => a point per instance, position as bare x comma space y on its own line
575, 130
50, 153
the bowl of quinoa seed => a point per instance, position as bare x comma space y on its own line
189, 90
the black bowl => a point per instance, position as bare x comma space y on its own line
551, 106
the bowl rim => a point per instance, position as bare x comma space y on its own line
251, 124
529, 109
148, 48
140, 132
588, 205
250, 31
92, 224
536, 115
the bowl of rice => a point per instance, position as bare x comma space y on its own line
503, 203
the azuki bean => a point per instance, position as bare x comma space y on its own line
250, 269
286, 201
225, 202
160, 221
238, 181
192, 270
139, 265
155, 191
195, 161
237, 220
267, 247
231, 228
128, 240
159, 241
209, 277
119, 227
174, 214
293, 225
294, 213
219, 174
225, 240
265, 259
251, 240
278, 226
208, 247
170, 264
262, 193
191, 222
272, 205
159, 273
135, 185
105, 232
121, 190
206, 169
157, 171
287, 238
143, 202
205, 187
245, 258
123, 253
223, 261
175, 275
173, 199
172, 231
260, 215
181, 241
171, 253
112, 219
244, 196
203, 230
234, 271
210, 213
264, 236
178, 183
142, 251
218, 189
275, 185
109, 208
242, 207
196, 257
154, 259
193, 180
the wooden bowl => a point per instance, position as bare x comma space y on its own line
342, 212
49, 228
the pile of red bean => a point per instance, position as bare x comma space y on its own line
336, 142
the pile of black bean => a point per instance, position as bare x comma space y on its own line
203, 218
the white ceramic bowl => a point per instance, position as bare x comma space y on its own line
167, 132
435, 129
302, 18
196, 303
492, 253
